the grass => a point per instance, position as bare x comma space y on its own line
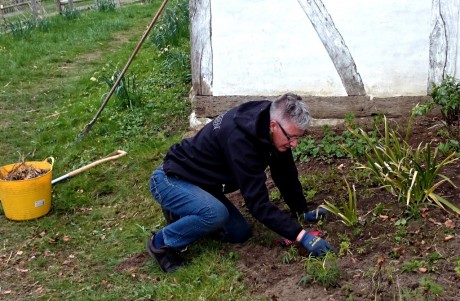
91, 245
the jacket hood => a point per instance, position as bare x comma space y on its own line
253, 118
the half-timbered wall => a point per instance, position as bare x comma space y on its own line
323, 48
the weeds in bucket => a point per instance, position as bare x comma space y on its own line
21, 171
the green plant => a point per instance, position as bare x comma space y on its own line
70, 13
275, 195
457, 268
173, 26
431, 287
378, 210
105, 5
412, 175
451, 146
23, 27
344, 248
349, 212
324, 271
413, 265
290, 255
306, 149
447, 96
128, 91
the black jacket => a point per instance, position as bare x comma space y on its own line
232, 152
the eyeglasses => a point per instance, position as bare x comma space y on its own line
288, 137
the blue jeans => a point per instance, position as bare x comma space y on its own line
200, 213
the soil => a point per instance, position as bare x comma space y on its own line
383, 261
377, 263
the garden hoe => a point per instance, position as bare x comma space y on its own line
113, 156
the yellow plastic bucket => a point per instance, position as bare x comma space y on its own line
27, 199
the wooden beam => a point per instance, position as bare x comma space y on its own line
321, 107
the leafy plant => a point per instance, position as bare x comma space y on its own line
105, 5
431, 287
70, 13
24, 26
173, 27
324, 271
332, 144
413, 265
290, 255
411, 175
128, 92
306, 149
447, 96
457, 268
349, 212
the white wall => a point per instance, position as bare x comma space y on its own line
268, 47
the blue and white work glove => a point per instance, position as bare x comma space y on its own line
316, 215
315, 245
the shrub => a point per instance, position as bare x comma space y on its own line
447, 96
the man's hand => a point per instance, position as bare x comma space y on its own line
316, 215
315, 245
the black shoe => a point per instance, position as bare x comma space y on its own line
170, 218
167, 258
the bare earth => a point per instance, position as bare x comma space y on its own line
372, 269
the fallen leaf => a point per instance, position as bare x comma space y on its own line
424, 212
399, 251
435, 221
449, 224
383, 217
448, 237
19, 252
380, 261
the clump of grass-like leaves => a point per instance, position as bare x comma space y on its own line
71, 13
324, 270
173, 26
128, 91
105, 5
24, 26
411, 174
349, 212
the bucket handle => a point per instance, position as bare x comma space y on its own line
49, 160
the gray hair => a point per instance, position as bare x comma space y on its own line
291, 108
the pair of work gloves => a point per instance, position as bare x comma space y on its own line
314, 244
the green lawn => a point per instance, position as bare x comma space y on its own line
91, 245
